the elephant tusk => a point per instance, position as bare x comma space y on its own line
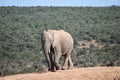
49, 51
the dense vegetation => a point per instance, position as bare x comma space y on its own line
21, 28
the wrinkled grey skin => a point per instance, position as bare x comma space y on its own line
57, 43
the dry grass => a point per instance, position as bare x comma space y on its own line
88, 44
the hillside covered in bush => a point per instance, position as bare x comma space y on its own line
21, 28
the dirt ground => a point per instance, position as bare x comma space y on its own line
91, 73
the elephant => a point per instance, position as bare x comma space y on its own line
57, 43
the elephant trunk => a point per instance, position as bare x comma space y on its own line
46, 51
48, 61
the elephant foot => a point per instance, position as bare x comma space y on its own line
53, 70
58, 67
71, 67
64, 68
49, 69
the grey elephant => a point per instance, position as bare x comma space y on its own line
57, 43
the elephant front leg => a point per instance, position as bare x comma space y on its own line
57, 58
52, 67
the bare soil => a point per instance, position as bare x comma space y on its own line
91, 73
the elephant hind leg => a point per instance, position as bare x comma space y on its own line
70, 63
67, 61
65, 66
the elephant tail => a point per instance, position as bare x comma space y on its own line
74, 52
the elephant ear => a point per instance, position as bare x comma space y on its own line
54, 38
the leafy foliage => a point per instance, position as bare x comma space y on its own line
21, 28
